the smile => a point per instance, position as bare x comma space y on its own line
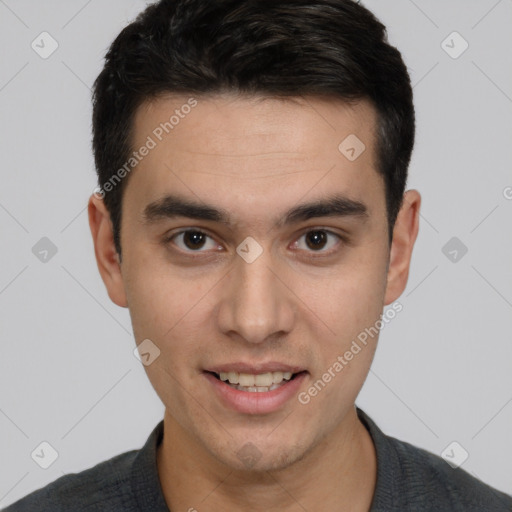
259, 383
255, 390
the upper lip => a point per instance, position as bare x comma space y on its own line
255, 368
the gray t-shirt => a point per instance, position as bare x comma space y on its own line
408, 479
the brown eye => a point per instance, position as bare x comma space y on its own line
193, 240
318, 240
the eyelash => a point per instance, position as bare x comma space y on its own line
314, 254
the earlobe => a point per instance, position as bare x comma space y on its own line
404, 236
107, 257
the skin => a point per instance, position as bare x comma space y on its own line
258, 157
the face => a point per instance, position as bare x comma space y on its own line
254, 251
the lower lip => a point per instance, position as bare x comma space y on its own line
258, 402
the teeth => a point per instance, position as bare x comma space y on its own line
246, 380
264, 379
277, 377
261, 382
233, 377
257, 389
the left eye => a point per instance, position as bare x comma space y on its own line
317, 240
193, 240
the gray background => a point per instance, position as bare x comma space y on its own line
68, 375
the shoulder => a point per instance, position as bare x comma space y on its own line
429, 479
105, 486
411, 478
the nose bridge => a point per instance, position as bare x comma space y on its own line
256, 304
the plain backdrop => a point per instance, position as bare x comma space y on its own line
68, 376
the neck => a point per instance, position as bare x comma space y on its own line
339, 473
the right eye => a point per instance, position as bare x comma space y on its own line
191, 240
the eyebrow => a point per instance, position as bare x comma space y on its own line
172, 206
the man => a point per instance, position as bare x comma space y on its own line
252, 215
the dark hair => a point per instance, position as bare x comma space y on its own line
329, 48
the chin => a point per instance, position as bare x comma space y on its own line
258, 457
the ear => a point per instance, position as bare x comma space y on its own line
404, 236
107, 257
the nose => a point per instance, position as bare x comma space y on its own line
257, 303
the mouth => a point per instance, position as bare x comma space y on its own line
256, 383
262, 389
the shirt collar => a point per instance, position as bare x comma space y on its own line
388, 466
145, 482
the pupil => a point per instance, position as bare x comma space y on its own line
195, 238
317, 238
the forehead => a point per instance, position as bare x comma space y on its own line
253, 152
298, 124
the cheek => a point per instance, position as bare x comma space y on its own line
350, 306
167, 309
349, 299
161, 304
168, 305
